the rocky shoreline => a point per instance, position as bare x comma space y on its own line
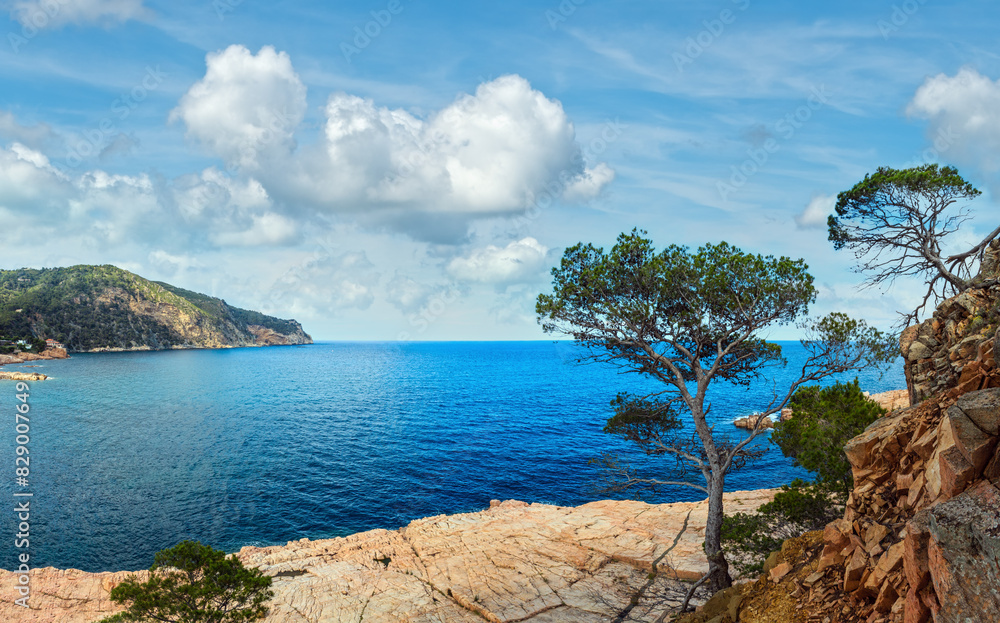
890, 401
513, 562
47, 355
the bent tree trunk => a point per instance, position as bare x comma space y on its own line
718, 567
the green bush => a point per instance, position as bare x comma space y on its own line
799, 507
193, 583
823, 421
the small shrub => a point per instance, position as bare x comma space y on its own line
799, 507
193, 583
823, 421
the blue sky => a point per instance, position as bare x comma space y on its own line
411, 170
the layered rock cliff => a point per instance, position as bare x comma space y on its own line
94, 308
953, 351
920, 537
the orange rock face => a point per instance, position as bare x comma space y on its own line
920, 539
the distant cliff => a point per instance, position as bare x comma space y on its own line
93, 308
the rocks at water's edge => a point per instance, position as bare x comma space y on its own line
514, 562
21, 376
52, 353
891, 400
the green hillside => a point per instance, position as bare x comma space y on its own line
104, 307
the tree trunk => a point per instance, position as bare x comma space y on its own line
719, 578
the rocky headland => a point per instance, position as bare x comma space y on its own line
513, 562
105, 308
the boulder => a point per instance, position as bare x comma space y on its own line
983, 409
964, 554
975, 444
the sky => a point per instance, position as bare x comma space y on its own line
409, 170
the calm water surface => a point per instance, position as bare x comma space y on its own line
133, 452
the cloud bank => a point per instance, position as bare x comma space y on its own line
486, 154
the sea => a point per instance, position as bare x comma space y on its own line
131, 453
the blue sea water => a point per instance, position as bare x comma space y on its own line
133, 452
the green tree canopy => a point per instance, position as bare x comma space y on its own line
688, 319
193, 583
823, 421
897, 223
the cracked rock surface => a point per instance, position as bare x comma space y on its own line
513, 562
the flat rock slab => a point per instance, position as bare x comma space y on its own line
513, 562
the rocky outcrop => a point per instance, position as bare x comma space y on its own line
48, 354
513, 562
954, 351
760, 421
264, 336
892, 399
920, 538
21, 376
52, 353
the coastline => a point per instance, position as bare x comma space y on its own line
20, 358
511, 562
889, 400
149, 349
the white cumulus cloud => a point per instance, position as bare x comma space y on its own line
246, 108
519, 261
486, 153
28, 181
815, 214
491, 153
964, 117
590, 183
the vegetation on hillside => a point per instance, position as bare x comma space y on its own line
91, 307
